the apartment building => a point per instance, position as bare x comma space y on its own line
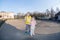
6, 15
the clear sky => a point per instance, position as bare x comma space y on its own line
28, 5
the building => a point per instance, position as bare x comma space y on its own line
57, 16
6, 15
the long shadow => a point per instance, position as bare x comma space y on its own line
54, 36
9, 32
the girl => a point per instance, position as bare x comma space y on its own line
33, 23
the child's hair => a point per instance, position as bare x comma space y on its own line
28, 13
33, 17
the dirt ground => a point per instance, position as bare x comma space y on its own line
42, 27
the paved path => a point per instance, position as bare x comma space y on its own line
15, 30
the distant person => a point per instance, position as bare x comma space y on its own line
33, 24
28, 21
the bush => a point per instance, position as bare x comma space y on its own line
1, 22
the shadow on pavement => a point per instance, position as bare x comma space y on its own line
9, 32
54, 36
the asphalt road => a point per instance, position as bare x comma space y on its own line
10, 30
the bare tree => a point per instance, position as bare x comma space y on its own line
47, 12
52, 12
57, 10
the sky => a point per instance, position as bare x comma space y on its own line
28, 5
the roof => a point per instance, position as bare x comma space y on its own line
58, 13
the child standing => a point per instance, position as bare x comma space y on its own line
28, 21
33, 23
